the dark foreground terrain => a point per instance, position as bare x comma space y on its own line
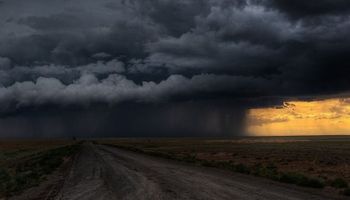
106, 173
98, 171
316, 162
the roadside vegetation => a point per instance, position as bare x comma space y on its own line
24, 168
306, 163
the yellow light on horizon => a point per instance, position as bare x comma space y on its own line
325, 117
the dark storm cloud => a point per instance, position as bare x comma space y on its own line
128, 120
70, 34
256, 41
69, 44
83, 52
311, 7
247, 39
5, 63
61, 72
175, 17
117, 88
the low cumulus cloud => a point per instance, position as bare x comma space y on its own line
117, 88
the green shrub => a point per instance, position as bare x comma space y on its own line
339, 183
224, 165
4, 175
301, 180
207, 163
4, 178
269, 171
191, 158
346, 192
94, 142
241, 168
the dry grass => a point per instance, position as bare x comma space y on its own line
326, 159
12, 150
25, 164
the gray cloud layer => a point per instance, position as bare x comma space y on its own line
83, 52
117, 88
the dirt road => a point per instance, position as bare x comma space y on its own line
107, 173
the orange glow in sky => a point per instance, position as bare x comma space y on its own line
326, 117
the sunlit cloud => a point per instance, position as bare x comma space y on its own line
326, 117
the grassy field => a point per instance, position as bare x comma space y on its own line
318, 162
24, 164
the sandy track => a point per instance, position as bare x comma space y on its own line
107, 173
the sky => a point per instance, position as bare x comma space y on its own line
96, 68
322, 117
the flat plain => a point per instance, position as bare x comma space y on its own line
318, 162
176, 168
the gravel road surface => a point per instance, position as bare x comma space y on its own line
106, 173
